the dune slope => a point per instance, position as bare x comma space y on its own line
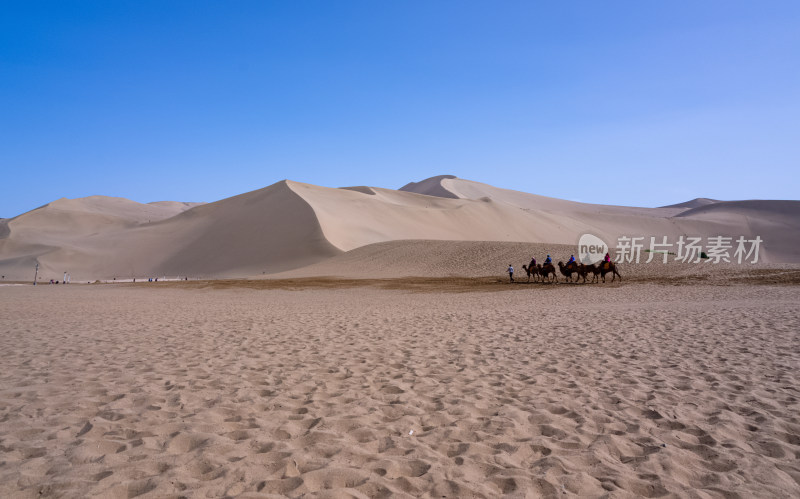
290, 225
775, 222
267, 230
73, 234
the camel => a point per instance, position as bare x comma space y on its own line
547, 269
585, 270
609, 267
581, 271
569, 269
531, 271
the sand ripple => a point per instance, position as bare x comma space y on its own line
640, 390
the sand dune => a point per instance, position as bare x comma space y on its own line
352, 219
268, 230
261, 231
776, 220
693, 203
431, 187
785, 212
467, 210
176, 206
290, 225
79, 235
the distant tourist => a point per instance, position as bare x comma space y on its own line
510, 273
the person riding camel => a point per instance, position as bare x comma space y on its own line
548, 260
533, 262
571, 259
607, 258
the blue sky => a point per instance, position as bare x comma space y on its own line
636, 103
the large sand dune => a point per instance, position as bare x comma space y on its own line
75, 234
290, 225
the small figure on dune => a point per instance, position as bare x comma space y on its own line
607, 258
510, 273
548, 260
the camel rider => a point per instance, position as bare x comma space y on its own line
533, 262
548, 260
607, 258
571, 259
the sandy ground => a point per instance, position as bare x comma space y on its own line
355, 390
401, 259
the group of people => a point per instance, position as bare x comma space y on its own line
547, 261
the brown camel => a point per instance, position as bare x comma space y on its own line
531, 271
581, 271
569, 269
585, 270
609, 267
546, 270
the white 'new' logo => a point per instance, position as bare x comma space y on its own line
591, 249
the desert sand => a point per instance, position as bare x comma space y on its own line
290, 225
365, 342
433, 387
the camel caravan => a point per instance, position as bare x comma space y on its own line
547, 272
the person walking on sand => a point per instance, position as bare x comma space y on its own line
510, 273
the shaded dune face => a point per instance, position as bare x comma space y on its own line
290, 225
694, 203
776, 221
431, 187
268, 230
777, 210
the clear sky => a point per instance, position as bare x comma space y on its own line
621, 102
